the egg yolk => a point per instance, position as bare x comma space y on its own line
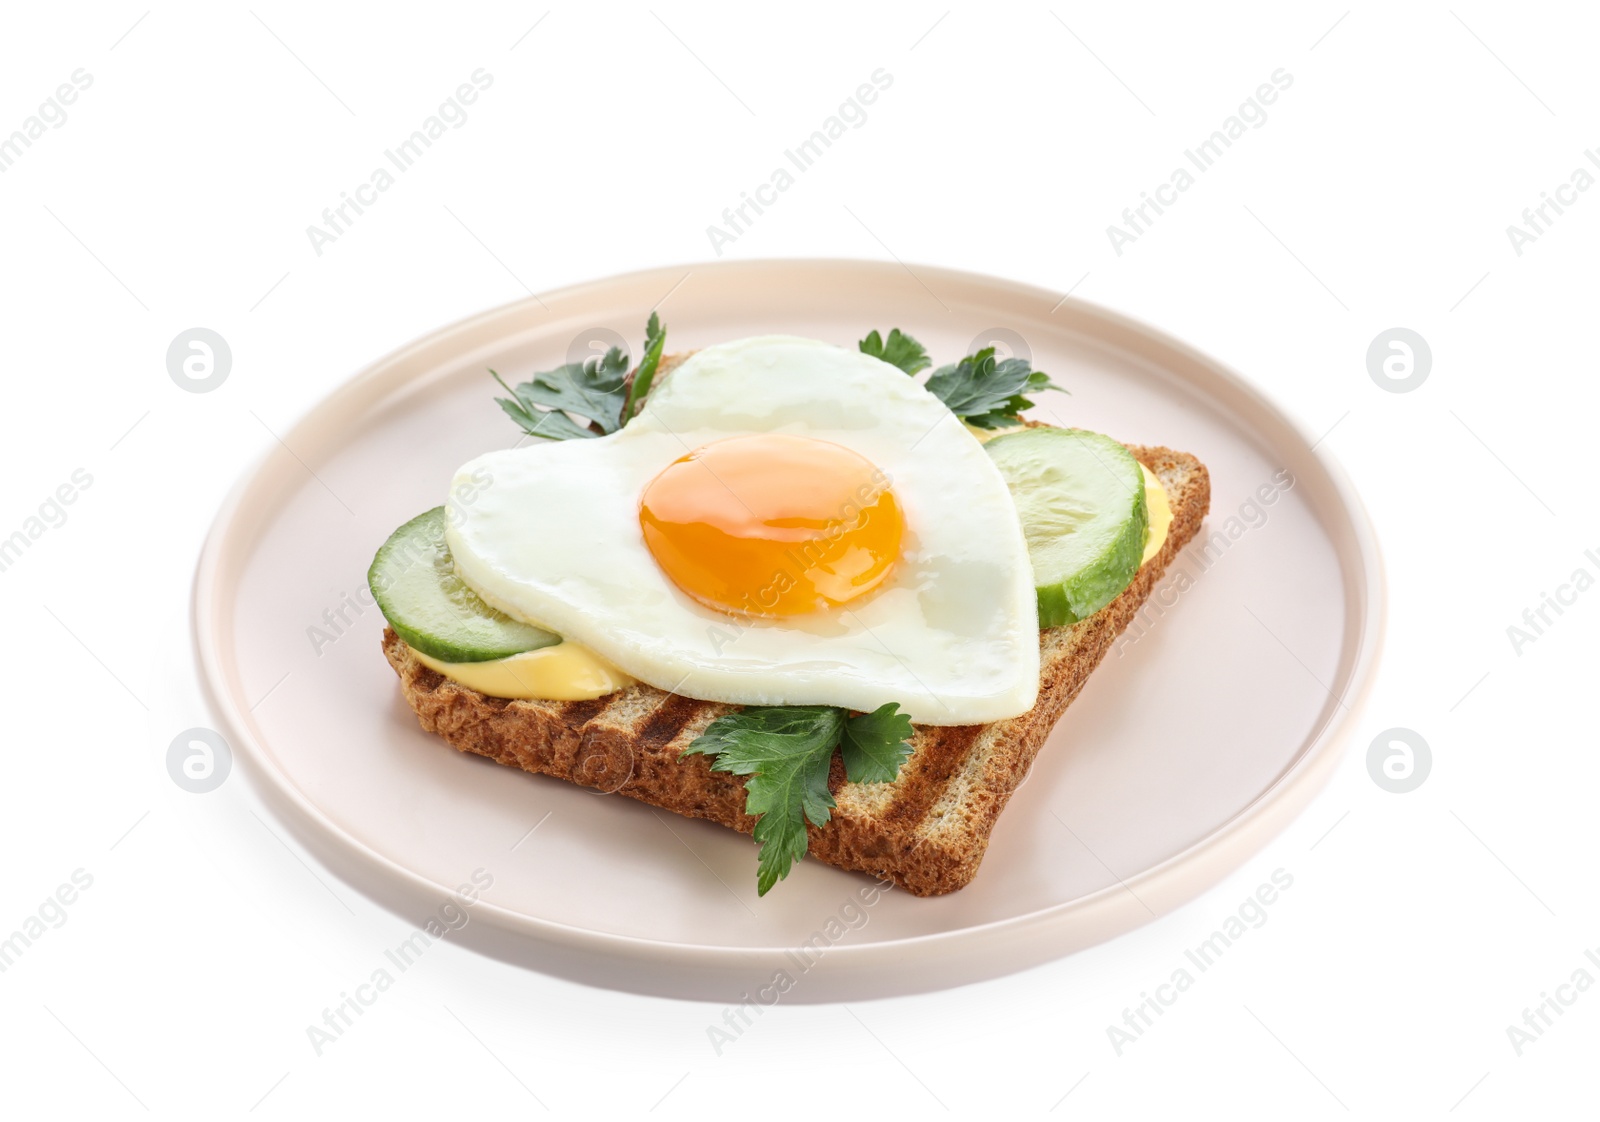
772, 524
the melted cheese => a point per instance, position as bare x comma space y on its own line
564, 672
1160, 507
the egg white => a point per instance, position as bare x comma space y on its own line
952, 634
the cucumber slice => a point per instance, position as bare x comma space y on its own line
414, 581
1082, 503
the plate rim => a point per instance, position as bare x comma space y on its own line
1175, 880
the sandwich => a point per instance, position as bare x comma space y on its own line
808, 592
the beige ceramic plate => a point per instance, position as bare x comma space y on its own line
1201, 735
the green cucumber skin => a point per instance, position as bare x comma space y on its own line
413, 581
1069, 602
1068, 598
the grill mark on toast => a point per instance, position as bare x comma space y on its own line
670, 718
576, 714
836, 775
940, 752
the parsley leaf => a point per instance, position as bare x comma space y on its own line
899, 350
597, 390
550, 425
978, 389
655, 337
987, 393
876, 744
786, 750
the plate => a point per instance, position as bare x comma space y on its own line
1212, 722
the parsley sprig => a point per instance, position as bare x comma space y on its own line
987, 393
598, 390
787, 751
899, 350
981, 390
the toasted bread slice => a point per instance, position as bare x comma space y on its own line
926, 831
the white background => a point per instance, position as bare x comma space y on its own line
1377, 194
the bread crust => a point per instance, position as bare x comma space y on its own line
927, 831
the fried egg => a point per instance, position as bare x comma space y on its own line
785, 522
